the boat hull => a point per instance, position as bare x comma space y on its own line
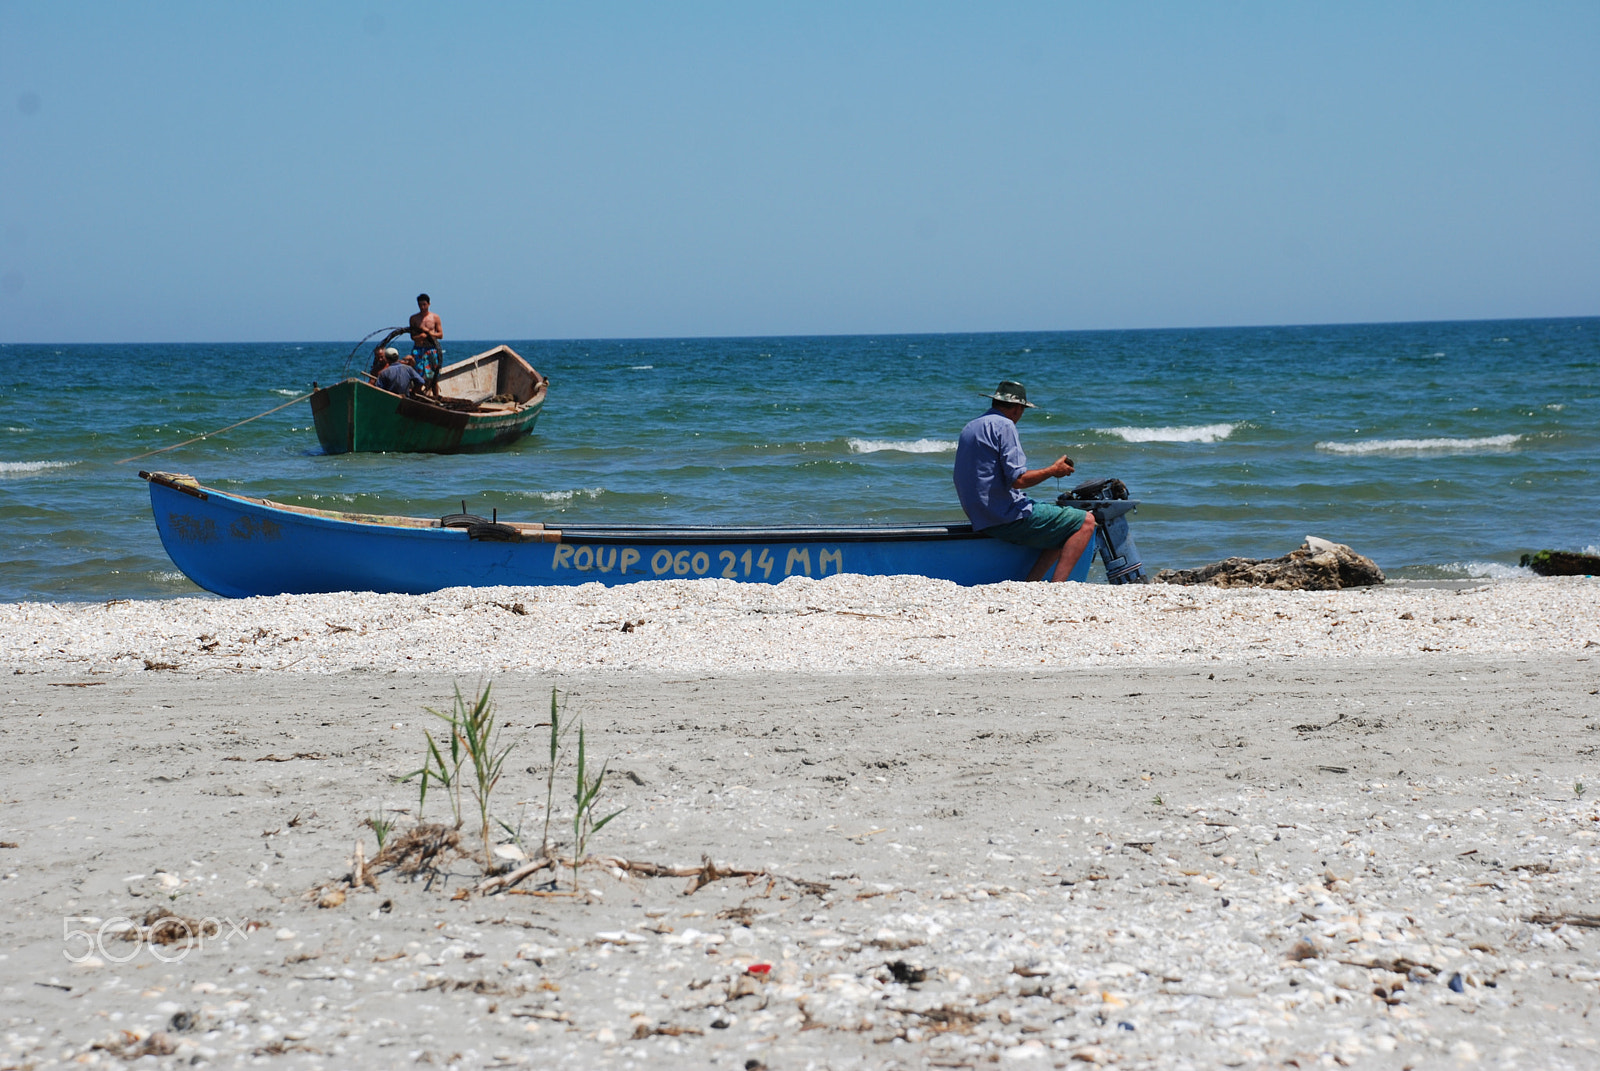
240, 547
354, 416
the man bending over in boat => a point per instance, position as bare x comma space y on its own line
991, 473
426, 330
401, 377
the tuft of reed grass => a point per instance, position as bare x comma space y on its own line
473, 743
557, 732
584, 823
380, 826
467, 760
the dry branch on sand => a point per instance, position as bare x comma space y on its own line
702, 875
419, 849
1586, 921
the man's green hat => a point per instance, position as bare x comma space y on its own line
1010, 392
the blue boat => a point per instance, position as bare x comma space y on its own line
238, 546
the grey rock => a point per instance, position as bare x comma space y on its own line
1318, 565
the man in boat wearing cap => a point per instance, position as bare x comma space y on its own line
400, 376
991, 472
426, 330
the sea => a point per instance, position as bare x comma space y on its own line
1441, 450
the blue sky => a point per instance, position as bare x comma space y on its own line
215, 172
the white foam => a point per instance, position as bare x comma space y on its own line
640, 367
1193, 433
1482, 445
904, 446
285, 393
20, 431
25, 468
1487, 571
590, 493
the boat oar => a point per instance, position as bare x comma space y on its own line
219, 431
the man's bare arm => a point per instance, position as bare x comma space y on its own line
1061, 467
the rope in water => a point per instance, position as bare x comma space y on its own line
219, 431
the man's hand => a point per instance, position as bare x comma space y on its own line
1061, 467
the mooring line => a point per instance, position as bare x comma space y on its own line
219, 431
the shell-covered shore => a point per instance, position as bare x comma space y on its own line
1327, 862
845, 623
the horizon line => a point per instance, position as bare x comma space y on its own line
858, 334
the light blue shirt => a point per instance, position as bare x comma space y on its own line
400, 378
989, 459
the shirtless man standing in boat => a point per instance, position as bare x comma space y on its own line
426, 330
991, 472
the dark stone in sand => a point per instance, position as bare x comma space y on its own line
1562, 563
1317, 566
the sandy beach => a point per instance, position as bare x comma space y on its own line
1148, 826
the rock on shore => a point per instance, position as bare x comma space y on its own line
1318, 565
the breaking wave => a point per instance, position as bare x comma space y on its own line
904, 446
1483, 445
1193, 433
25, 468
1486, 571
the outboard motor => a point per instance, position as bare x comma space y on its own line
1108, 501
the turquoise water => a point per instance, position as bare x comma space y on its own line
1439, 449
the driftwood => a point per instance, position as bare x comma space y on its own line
511, 877
701, 876
1588, 921
1318, 565
360, 874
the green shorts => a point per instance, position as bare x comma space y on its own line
1048, 526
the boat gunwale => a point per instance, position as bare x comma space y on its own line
536, 400
601, 534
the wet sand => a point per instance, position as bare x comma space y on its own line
1239, 863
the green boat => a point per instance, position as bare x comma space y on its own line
486, 401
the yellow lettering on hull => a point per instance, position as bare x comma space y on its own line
742, 563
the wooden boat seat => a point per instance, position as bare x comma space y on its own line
475, 400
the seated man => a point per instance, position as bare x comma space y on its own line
991, 473
400, 378
383, 357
